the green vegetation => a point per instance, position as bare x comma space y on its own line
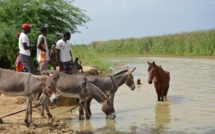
88, 56
60, 15
198, 43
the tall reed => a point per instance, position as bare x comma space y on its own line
197, 43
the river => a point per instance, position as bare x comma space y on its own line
190, 107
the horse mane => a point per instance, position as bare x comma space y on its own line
123, 71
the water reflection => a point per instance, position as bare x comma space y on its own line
108, 127
162, 116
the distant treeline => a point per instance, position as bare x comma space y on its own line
197, 43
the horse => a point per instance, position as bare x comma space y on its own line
79, 87
161, 79
25, 84
110, 84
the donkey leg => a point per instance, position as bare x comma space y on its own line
88, 106
86, 110
47, 110
26, 112
81, 111
29, 109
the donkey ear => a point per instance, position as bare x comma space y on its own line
132, 70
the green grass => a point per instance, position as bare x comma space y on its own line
197, 43
88, 56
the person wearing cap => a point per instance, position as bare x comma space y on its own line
64, 53
42, 49
24, 48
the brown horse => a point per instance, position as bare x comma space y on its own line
25, 84
161, 80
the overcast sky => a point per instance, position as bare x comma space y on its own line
117, 19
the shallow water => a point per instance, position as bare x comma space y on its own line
190, 107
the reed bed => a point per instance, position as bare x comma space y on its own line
197, 43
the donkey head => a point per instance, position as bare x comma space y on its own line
151, 71
130, 79
49, 88
108, 109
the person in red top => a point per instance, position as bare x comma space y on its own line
18, 63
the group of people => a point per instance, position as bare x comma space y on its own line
60, 52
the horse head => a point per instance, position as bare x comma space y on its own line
130, 79
49, 87
151, 71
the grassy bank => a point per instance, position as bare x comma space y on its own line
88, 56
197, 43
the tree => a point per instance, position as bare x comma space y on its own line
60, 15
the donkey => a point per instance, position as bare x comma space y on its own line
25, 84
77, 86
161, 80
110, 84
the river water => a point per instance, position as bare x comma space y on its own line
190, 107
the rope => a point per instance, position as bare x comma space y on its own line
21, 111
70, 110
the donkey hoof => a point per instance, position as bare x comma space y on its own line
81, 118
49, 115
27, 124
1, 121
32, 126
88, 117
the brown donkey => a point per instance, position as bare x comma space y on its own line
25, 84
161, 80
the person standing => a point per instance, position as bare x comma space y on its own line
64, 53
18, 63
24, 48
53, 57
42, 49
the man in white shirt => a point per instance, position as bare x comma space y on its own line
42, 49
24, 48
64, 54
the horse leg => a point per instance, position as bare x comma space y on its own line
88, 106
158, 93
162, 95
28, 116
166, 91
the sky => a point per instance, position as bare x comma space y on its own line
119, 19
